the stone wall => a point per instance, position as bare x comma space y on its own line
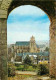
3, 49
53, 48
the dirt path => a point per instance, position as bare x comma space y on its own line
34, 77
38, 78
26, 73
31, 78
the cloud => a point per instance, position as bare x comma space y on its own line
26, 21
20, 36
28, 10
23, 31
28, 26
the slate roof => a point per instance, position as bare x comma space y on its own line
44, 54
37, 46
22, 43
40, 54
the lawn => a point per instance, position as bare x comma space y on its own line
16, 67
19, 77
26, 67
29, 77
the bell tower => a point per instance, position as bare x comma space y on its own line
33, 47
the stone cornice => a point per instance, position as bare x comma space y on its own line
4, 5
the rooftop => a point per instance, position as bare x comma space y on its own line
22, 43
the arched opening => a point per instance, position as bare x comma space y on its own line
35, 19
49, 6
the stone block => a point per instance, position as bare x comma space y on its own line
3, 14
3, 48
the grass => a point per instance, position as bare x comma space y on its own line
26, 77
26, 68
19, 77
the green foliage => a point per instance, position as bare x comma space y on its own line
34, 66
27, 60
47, 49
26, 67
20, 77
20, 67
42, 69
11, 69
17, 65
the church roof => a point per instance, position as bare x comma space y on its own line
22, 43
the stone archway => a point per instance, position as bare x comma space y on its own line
6, 6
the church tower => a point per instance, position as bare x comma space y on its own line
33, 47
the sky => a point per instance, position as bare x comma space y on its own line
25, 21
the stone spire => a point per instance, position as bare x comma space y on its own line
32, 38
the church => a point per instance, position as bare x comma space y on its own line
26, 46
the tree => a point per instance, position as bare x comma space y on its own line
38, 58
46, 49
42, 69
27, 60
11, 69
